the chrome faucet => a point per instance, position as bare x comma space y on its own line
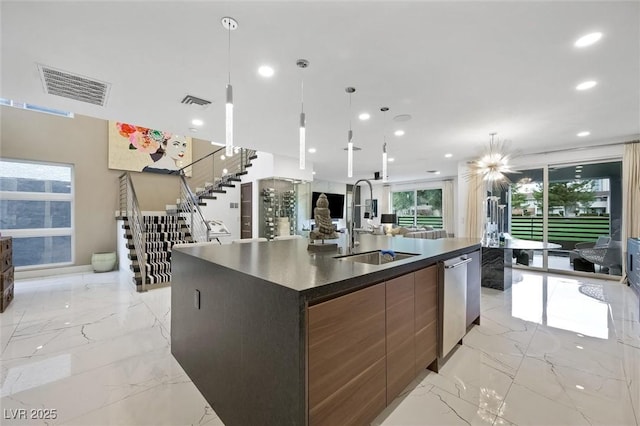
352, 234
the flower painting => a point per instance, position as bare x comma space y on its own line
142, 149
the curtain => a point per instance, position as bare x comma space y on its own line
475, 206
630, 196
447, 208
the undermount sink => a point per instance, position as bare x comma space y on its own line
378, 257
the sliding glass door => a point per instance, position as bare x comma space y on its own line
525, 214
582, 223
418, 208
585, 211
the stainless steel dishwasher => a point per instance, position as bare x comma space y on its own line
453, 303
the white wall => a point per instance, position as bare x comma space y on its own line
287, 167
219, 209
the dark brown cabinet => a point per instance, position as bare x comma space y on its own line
426, 317
6, 272
365, 347
347, 363
400, 334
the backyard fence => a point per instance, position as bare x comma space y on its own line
562, 230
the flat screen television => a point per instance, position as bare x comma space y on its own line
336, 204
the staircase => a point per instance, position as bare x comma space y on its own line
235, 166
161, 232
151, 238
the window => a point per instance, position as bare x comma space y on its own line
31, 107
422, 207
36, 209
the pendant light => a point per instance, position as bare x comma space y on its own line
350, 90
229, 24
385, 177
302, 64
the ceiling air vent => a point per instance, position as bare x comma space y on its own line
73, 86
194, 100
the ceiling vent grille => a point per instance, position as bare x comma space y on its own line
73, 86
194, 100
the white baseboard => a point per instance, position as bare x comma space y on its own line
40, 273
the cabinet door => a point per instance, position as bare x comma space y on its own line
426, 316
346, 358
473, 288
400, 334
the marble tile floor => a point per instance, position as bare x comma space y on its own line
553, 350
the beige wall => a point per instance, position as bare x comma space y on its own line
82, 142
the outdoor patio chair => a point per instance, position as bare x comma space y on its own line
609, 257
602, 241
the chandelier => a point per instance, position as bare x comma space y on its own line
493, 165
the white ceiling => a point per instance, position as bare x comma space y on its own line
461, 69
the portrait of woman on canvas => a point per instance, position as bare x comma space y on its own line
150, 150
169, 156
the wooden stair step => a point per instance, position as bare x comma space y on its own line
208, 197
253, 157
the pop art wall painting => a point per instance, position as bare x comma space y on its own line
141, 149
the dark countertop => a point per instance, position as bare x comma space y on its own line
287, 263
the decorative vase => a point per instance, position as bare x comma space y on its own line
103, 262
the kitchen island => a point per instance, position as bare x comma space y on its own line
273, 334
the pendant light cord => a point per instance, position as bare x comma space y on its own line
229, 53
302, 90
349, 112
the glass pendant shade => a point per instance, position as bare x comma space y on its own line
229, 122
303, 131
385, 176
350, 154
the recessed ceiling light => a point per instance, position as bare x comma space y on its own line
580, 387
588, 40
197, 122
312, 150
313, 173
585, 85
225, 171
579, 347
265, 71
193, 130
391, 159
399, 132
583, 134
448, 155
364, 116
222, 157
